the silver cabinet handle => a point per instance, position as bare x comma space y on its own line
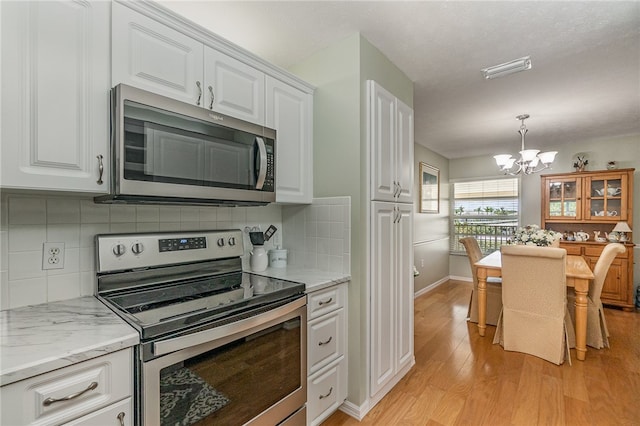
50, 401
199, 93
100, 170
121, 418
212, 97
324, 302
327, 395
325, 342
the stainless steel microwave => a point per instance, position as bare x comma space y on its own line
165, 151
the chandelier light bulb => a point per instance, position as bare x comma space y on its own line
530, 161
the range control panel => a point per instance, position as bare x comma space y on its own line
116, 252
172, 244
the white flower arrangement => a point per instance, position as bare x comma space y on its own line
532, 235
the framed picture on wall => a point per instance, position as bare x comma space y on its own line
429, 189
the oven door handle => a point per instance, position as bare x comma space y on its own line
262, 164
171, 345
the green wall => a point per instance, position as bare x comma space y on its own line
339, 73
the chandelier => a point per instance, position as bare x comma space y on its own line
530, 161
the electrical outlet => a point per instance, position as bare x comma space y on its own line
52, 256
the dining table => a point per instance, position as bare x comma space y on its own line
578, 276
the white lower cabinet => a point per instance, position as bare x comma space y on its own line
391, 295
326, 352
120, 414
94, 392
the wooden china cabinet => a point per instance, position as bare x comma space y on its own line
593, 202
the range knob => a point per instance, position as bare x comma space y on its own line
137, 248
220, 242
119, 249
232, 241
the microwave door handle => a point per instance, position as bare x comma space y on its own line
262, 171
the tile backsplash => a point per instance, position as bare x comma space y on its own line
317, 236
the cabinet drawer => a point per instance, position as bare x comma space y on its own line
597, 250
572, 250
108, 416
326, 340
89, 385
327, 391
323, 301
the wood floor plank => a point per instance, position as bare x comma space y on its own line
551, 410
461, 378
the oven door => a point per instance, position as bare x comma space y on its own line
253, 371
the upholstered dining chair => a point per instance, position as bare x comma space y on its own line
597, 331
534, 317
494, 285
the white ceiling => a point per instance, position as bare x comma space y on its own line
584, 82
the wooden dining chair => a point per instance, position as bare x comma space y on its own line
534, 317
597, 331
494, 285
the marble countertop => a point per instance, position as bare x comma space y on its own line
313, 279
40, 338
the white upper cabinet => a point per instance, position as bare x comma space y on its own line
390, 126
404, 152
55, 95
150, 55
154, 57
233, 87
290, 113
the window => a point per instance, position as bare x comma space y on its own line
484, 209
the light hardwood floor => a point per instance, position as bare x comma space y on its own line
461, 378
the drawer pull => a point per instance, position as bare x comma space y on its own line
327, 395
324, 302
325, 343
121, 418
50, 401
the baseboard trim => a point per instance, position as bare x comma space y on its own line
358, 412
355, 411
457, 278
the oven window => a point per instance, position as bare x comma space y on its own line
235, 382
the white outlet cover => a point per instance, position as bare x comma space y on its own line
52, 256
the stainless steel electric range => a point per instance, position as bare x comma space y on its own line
218, 345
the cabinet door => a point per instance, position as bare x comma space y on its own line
404, 149
154, 57
563, 199
55, 95
616, 287
289, 112
233, 87
382, 135
404, 286
606, 197
383, 295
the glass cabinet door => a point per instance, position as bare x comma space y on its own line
606, 198
563, 199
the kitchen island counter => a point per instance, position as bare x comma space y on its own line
40, 338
